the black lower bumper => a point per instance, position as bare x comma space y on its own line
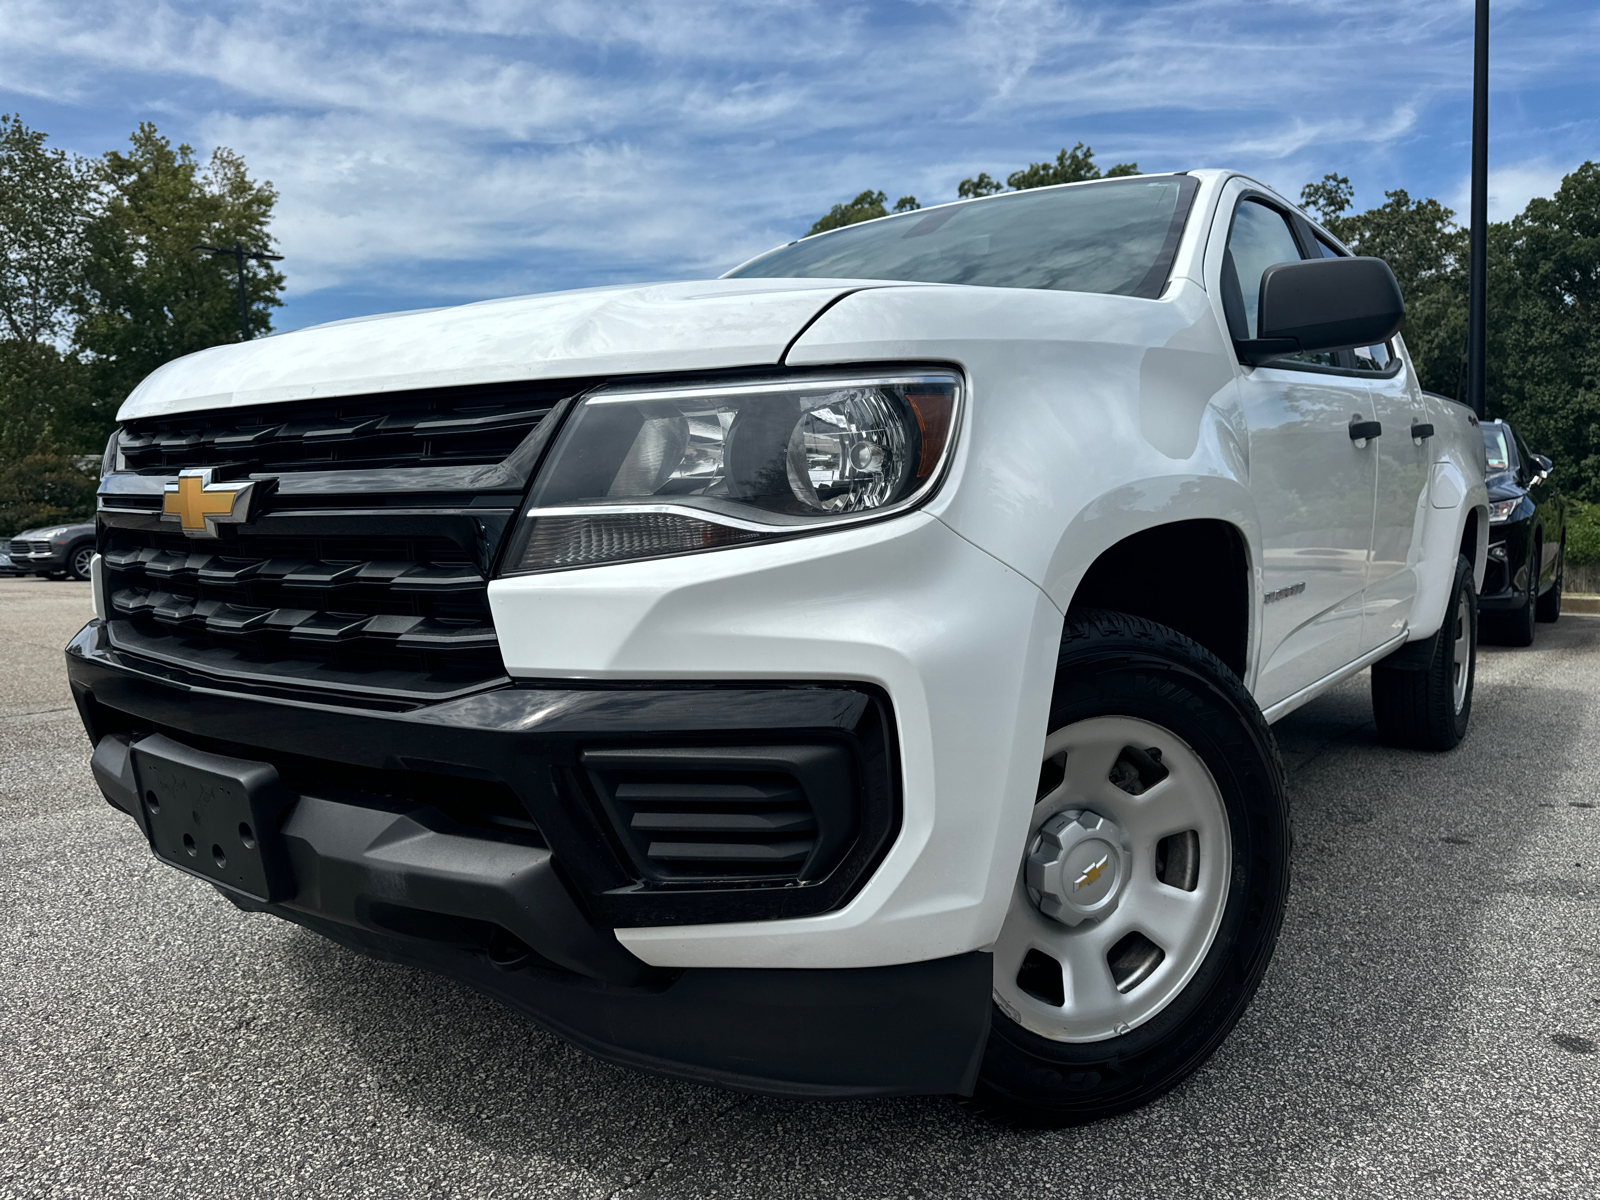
495, 909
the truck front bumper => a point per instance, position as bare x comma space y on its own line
298, 815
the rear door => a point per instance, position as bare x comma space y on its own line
1402, 498
1313, 486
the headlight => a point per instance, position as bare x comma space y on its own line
1500, 510
639, 473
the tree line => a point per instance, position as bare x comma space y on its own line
1544, 294
99, 285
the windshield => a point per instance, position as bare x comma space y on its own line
1116, 236
1497, 448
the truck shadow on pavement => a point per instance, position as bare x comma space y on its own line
1415, 988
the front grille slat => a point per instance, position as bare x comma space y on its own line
444, 427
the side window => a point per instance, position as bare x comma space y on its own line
1326, 250
1373, 358
1260, 238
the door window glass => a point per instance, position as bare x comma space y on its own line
1496, 452
1373, 358
1260, 238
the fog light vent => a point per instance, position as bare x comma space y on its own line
746, 815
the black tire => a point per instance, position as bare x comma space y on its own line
1516, 628
78, 559
1116, 665
1414, 698
1549, 607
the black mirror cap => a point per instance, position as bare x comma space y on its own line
1325, 304
1544, 464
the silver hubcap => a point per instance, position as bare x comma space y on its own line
1122, 885
81, 561
1462, 650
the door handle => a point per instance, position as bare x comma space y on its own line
1421, 431
1360, 431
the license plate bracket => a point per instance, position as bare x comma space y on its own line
214, 816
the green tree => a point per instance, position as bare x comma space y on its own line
45, 489
44, 200
1427, 251
1543, 301
981, 185
1070, 166
44, 197
1544, 318
147, 296
42, 394
868, 206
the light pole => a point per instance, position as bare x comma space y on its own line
1478, 237
239, 254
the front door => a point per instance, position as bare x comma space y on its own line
1313, 485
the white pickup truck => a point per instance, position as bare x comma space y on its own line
850, 676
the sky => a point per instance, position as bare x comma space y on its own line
430, 153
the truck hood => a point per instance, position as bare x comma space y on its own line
697, 326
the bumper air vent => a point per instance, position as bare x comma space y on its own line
758, 815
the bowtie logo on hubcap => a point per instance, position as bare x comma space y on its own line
198, 505
1092, 873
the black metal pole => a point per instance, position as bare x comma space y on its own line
244, 302
1478, 238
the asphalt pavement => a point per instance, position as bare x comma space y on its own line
1429, 1027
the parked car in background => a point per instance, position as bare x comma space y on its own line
1527, 539
56, 551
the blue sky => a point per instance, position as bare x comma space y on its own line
432, 153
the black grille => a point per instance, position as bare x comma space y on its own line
406, 429
364, 566
761, 814
381, 614
23, 547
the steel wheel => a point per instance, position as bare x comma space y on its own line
1122, 886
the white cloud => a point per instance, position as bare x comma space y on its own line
487, 146
1510, 188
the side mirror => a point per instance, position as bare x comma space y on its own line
1324, 304
1545, 467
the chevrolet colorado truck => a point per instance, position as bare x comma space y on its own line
847, 677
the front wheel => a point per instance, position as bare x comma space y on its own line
1152, 885
1550, 603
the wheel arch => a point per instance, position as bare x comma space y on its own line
1463, 530
1181, 552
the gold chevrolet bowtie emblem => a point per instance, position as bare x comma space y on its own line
1092, 874
199, 505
